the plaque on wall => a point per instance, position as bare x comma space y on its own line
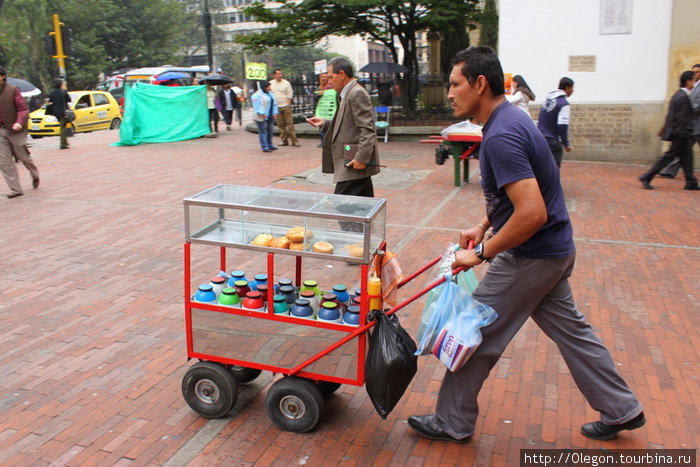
582, 62
615, 17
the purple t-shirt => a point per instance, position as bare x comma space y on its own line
513, 149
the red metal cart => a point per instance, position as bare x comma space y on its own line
235, 344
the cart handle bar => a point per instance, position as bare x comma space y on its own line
470, 245
366, 327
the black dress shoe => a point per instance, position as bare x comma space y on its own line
427, 426
14, 195
692, 187
603, 432
35, 183
645, 183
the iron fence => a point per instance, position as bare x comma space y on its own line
430, 94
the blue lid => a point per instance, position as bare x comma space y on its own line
261, 277
206, 287
340, 288
238, 273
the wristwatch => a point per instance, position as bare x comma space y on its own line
479, 252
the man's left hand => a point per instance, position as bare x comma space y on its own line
357, 165
16, 127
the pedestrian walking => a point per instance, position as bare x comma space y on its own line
522, 94
229, 103
678, 129
532, 255
554, 117
13, 137
58, 101
214, 107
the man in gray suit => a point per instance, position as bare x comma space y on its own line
350, 146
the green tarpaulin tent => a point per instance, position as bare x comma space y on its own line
161, 114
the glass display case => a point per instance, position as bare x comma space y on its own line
301, 223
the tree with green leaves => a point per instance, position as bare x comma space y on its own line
110, 34
489, 25
21, 48
388, 22
107, 35
452, 23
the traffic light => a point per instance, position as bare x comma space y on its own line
49, 45
67, 40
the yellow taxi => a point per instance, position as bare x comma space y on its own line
94, 110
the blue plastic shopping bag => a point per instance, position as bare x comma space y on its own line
452, 331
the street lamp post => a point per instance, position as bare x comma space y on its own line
207, 33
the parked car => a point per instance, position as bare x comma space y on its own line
94, 110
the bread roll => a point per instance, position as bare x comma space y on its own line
298, 246
323, 247
263, 240
280, 242
356, 250
296, 234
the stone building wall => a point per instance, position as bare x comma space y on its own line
615, 132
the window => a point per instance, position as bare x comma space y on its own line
100, 99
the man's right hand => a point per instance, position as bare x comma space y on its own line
315, 121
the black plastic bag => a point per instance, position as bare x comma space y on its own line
391, 363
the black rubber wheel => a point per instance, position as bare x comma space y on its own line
210, 389
327, 388
243, 374
116, 123
294, 404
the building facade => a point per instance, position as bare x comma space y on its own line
625, 57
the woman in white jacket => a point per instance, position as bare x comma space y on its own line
522, 94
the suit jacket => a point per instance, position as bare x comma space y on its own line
679, 120
695, 102
58, 102
353, 126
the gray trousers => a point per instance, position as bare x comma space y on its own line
15, 143
518, 288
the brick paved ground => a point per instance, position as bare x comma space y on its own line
92, 326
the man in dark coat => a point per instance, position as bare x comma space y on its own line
679, 131
58, 103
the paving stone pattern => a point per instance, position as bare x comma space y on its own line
93, 337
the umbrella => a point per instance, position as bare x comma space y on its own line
216, 80
168, 75
383, 68
26, 88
